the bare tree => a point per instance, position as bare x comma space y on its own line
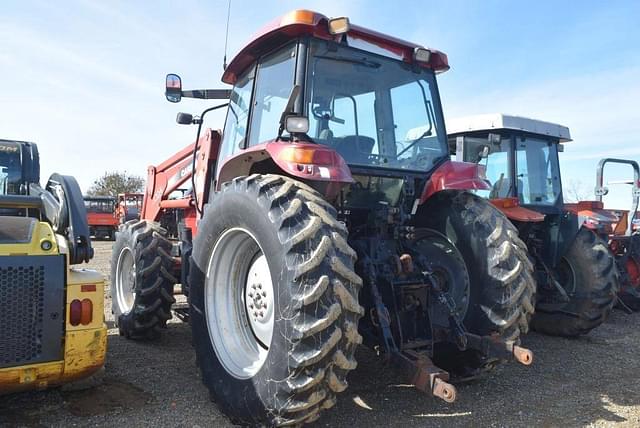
113, 183
576, 190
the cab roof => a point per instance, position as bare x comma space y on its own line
305, 22
498, 121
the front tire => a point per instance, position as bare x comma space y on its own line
142, 280
280, 236
589, 276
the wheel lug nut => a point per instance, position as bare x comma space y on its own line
260, 286
264, 294
261, 313
251, 306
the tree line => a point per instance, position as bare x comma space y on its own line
112, 183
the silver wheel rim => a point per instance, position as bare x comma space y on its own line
239, 303
125, 281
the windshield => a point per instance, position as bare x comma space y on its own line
132, 202
538, 171
10, 169
372, 110
536, 167
99, 205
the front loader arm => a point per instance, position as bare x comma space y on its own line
167, 177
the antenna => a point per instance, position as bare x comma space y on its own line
226, 38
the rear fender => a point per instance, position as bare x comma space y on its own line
321, 167
511, 208
593, 216
455, 176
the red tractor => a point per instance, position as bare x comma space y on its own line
325, 215
575, 272
128, 207
100, 216
620, 228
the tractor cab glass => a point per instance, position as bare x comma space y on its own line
374, 111
502, 162
10, 169
542, 185
496, 157
99, 205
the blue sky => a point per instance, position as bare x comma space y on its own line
84, 79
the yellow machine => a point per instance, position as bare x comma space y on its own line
52, 328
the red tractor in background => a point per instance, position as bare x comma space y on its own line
575, 272
100, 216
325, 215
620, 228
128, 207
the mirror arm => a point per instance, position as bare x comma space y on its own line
208, 94
195, 154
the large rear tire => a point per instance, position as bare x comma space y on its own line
589, 277
142, 280
501, 275
274, 302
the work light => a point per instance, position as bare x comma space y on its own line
421, 54
339, 25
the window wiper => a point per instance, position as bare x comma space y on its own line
363, 62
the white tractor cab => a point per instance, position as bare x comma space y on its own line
576, 285
510, 147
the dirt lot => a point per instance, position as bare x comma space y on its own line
588, 381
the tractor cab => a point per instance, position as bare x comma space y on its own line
129, 206
521, 160
520, 156
335, 105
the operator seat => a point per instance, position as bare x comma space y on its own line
355, 148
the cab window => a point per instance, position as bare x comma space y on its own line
538, 179
235, 129
273, 86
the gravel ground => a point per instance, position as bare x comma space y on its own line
588, 381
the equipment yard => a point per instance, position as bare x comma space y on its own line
586, 381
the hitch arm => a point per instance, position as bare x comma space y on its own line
425, 375
418, 367
493, 346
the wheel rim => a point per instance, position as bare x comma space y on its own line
125, 281
566, 276
449, 271
239, 303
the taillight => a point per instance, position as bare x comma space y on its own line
80, 312
87, 312
306, 155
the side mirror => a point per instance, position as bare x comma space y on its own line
560, 148
173, 88
184, 119
296, 124
484, 152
